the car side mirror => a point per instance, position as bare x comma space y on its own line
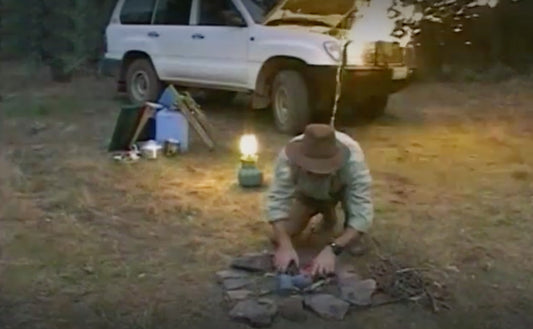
234, 19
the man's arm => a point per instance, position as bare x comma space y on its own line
358, 208
357, 201
278, 209
281, 236
324, 263
348, 235
281, 190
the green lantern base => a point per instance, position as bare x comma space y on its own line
249, 175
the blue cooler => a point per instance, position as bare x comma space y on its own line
170, 123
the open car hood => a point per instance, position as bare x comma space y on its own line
330, 12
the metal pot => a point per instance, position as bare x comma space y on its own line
151, 150
171, 148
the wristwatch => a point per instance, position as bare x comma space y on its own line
337, 250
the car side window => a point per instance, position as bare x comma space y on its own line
173, 12
216, 12
138, 12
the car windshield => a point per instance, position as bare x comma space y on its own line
258, 9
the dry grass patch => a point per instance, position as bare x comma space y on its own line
136, 245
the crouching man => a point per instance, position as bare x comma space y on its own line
314, 172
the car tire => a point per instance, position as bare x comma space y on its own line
372, 108
142, 82
290, 102
219, 97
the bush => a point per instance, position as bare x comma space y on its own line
62, 34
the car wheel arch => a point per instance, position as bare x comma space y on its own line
128, 58
267, 74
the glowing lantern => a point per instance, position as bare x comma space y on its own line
248, 146
249, 175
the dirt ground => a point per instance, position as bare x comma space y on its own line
89, 243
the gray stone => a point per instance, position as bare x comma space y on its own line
258, 313
257, 262
292, 309
347, 275
237, 295
329, 289
266, 285
230, 274
327, 306
234, 284
358, 292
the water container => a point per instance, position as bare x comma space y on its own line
168, 99
172, 125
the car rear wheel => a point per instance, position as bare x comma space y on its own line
142, 82
290, 102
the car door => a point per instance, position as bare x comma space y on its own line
129, 27
171, 31
219, 48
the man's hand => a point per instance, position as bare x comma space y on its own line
324, 263
285, 253
283, 258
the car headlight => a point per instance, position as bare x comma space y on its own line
333, 49
357, 55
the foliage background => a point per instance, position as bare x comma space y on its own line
456, 39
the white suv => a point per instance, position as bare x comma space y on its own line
284, 53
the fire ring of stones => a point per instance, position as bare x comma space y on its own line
256, 294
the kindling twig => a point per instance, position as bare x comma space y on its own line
317, 285
398, 300
413, 269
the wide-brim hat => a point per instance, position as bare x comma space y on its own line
318, 151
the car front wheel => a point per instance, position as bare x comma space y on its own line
290, 102
142, 82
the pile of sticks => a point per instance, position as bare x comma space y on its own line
406, 284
